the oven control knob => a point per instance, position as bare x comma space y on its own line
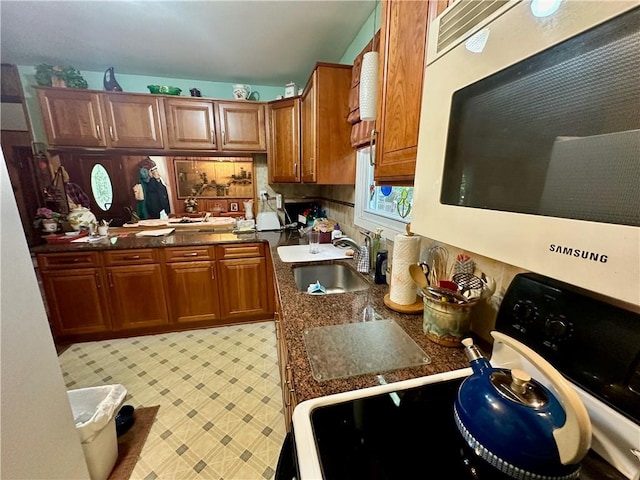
524, 312
556, 326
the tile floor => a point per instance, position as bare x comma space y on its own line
220, 413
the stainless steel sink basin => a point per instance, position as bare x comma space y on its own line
335, 278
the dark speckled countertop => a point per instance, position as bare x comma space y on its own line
301, 311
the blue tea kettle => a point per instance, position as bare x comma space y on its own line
515, 425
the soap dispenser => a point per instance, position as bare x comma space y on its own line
336, 233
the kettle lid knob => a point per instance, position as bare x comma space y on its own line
519, 380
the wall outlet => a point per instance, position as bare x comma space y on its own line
278, 200
263, 195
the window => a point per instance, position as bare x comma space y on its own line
383, 207
101, 187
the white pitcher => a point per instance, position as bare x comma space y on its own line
241, 92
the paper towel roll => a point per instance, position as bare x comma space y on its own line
406, 250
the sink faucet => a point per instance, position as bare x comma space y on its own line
346, 242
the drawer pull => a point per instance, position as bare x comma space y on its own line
213, 273
71, 260
98, 132
132, 257
191, 254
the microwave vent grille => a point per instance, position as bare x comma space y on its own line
463, 17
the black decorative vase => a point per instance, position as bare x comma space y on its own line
110, 82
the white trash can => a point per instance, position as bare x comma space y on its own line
94, 410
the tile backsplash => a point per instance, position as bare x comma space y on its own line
339, 207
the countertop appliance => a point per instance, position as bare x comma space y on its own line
407, 429
520, 109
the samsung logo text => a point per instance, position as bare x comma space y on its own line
576, 252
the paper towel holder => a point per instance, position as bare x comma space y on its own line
414, 308
411, 309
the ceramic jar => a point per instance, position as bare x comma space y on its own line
82, 217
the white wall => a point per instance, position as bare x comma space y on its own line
38, 438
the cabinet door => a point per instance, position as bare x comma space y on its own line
242, 126
309, 131
137, 296
133, 120
190, 124
72, 117
403, 43
194, 292
284, 147
76, 299
243, 289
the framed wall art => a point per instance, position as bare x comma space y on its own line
214, 178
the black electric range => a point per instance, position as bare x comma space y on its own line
411, 433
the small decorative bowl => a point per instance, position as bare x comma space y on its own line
164, 89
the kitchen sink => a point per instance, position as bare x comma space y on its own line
334, 277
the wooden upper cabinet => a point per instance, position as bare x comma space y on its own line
284, 145
190, 124
72, 117
327, 155
242, 126
133, 120
308, 166
403, 41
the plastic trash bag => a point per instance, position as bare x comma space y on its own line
94, 408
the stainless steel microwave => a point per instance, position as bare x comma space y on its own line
529, 143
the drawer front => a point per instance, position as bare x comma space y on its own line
130, 257
240, 250
189, 254
68, 260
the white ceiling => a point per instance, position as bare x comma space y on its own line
260, 42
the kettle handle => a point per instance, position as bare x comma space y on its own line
573, 439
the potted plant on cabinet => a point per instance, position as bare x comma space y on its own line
47, 219
59, 76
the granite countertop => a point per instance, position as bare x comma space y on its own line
125, 238
301, 311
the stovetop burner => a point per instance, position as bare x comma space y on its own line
407, 434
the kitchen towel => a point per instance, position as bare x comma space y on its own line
406, 250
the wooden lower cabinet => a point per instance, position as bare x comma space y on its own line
77, 301
289, 400
116, 293
137, 295
243, 289
194, 292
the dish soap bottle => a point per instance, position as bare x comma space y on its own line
336, 233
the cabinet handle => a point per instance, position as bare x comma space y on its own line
133, 257
224, 137
372, 158
98, 283
191, 254
213, 136
71, 260
98, 132
111, 132
213, 273
110, 279
295, 169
